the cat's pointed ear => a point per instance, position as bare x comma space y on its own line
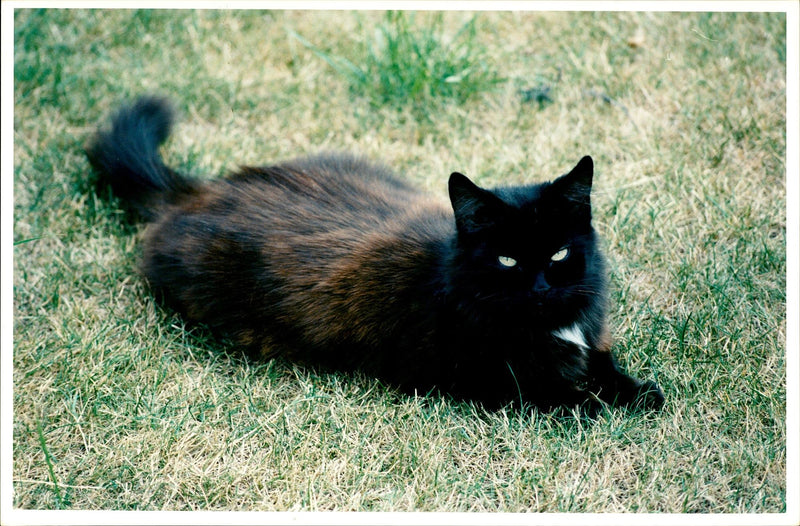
474, 207
576, 186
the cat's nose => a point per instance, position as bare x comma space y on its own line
541, 284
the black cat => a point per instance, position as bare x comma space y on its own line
333, 261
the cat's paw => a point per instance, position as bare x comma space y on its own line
649, 396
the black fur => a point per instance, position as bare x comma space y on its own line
127, 156
334, 261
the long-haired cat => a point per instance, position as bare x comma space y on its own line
333, 261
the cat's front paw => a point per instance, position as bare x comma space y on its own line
649, 396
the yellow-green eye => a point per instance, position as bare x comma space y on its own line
507, 261
561, 255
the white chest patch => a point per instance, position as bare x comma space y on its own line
572, 334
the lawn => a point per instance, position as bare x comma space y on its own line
120, 405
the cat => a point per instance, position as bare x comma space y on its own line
333, 261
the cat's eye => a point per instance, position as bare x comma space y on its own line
507, 261
561, 255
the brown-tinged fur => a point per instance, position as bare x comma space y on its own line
335, 261
326, 271
605, 341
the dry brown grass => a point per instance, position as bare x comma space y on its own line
118, 405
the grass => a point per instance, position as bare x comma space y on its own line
119, 405
409, 64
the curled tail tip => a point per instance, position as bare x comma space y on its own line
148, 118
152, 111
125, 152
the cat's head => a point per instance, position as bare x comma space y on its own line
527, 251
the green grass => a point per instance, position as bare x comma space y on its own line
409, 64
119, 405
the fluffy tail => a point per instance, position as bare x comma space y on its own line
127, 158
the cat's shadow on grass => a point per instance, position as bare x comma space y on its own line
202, 345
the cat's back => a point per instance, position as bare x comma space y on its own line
320, 199
315, 195
330, 187
310, 210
